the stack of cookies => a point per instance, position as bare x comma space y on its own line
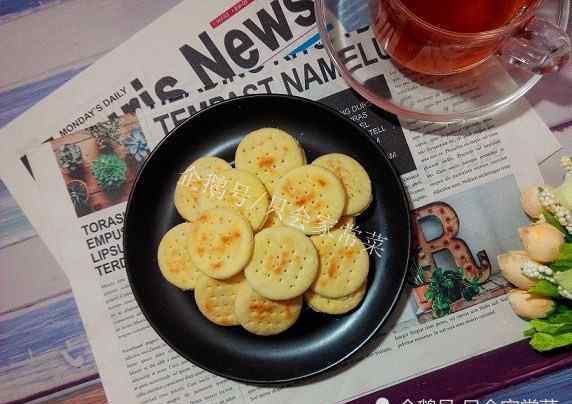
262, 238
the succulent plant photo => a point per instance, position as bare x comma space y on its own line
70, 157
448, 286
110, 172
136, 145
105, 133
79, 195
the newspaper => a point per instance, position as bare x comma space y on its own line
475, 175
199, 44
128, 349
125, 343
190, 44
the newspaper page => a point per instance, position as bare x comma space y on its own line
191, 50
202, 43
476, 178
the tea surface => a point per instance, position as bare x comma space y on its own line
466, 16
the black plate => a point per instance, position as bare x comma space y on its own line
316, 342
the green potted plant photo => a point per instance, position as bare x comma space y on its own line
106, 134
110, 172
136, 145
448, 286
79, 196
70, 158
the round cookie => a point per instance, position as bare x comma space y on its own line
313, 199
340, 305
216, 298
263, 316
174, 260
344, 264
354, 177
191, 184
269, 153
220, 243
284, 263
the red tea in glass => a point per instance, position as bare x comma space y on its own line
448, 36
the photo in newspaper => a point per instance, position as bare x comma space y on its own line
99, 164
456, 258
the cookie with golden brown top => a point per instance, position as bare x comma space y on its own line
216, 298
262, 316
354, 177
341, 305
240, 191
220, 243
174, 260
189, 193
311, 199
284, 263
269, 153
344, 264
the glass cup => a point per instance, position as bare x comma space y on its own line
527, 41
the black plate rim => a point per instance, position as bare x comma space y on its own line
404, 271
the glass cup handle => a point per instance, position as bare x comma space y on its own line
540, 47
